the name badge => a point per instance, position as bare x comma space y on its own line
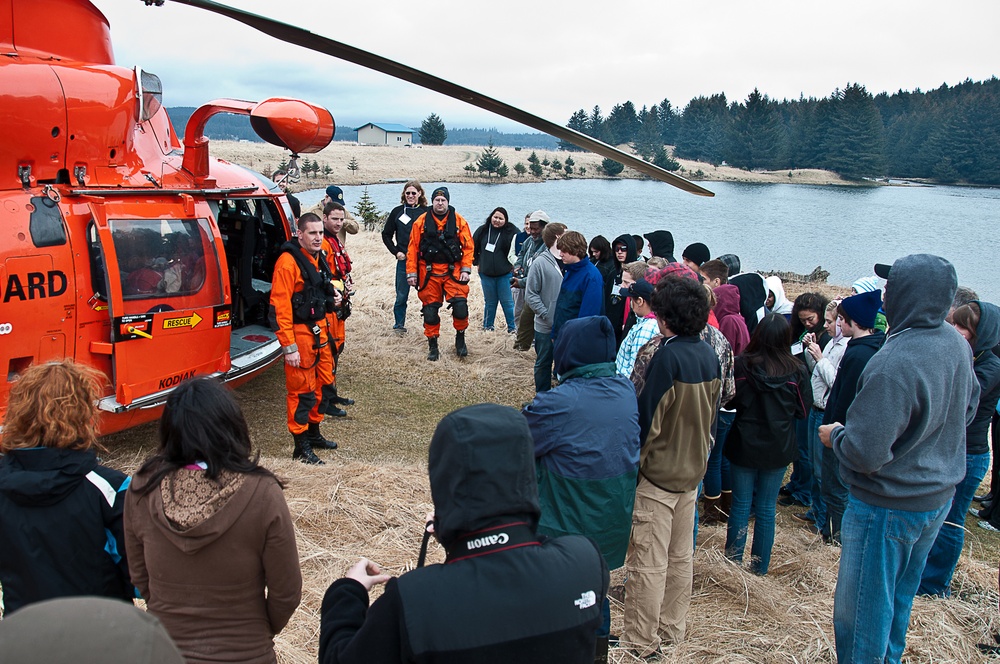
404, 219
796, 348
492, 246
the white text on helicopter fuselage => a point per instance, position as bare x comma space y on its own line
480, 542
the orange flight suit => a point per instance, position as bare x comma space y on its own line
308, 386
335, 325
440, 284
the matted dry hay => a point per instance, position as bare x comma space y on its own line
372, 496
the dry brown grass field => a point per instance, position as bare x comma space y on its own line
446, 163
370, 497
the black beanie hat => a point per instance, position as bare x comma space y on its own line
697, 253
441, 191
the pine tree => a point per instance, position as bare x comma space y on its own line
556, 165
533, 159
668, 123
665, 161
756, 134
702, 131
327, 170
490, 161
855, 141
649, 139
536, 169
595, 124
503, 171
432, 131
352, 165
577, 121
367, 211
520, 169
611, 167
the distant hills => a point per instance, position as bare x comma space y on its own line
237, 128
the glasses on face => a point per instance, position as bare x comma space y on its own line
411, 193
621, 250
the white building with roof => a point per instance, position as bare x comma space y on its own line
384, 133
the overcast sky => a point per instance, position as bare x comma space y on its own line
552, 58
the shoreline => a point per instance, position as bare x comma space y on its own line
380, 164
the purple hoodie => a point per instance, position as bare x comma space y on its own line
731, 323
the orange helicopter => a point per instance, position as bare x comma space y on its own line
130, 250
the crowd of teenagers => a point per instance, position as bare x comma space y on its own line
657, 381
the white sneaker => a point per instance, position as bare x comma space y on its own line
986, 525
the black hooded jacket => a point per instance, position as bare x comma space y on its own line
614, 307
60, 527
661, 243
504, 594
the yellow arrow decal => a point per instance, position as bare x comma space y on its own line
184, 321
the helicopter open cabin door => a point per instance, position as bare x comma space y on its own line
168, 302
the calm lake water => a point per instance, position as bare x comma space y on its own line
846, 230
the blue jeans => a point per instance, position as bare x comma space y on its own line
766, 484
497, 290
944, 554
543, 361
818, 509
881, 561
402, 294
800, 483
717, 477
835, 495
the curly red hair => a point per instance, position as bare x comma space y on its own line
53, 405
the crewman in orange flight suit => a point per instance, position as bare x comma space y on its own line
334, 215
439, 264
302, 294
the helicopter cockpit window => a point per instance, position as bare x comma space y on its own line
163, 258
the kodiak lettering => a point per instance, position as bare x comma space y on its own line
35, 285
490, 540
176, 379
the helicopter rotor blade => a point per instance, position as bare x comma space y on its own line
314, 42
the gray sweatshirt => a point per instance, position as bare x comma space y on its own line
542, 289
904, 443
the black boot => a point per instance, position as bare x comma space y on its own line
333, 410
303, 450
341, 401
432, 344
460, 348
317, 440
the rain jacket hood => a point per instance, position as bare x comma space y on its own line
919, 292
482, 471
661, 243
583, 342
988, 330
39, 476
631, 255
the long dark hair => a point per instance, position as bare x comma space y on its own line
489, 217
603, 247
814, 302
202, 422
768, 348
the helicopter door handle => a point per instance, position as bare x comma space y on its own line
134, 330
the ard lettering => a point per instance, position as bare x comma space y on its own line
35, 286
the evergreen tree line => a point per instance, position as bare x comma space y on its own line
950, 134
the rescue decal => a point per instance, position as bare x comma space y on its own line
35, 285
176, 379
223, 316
184, 321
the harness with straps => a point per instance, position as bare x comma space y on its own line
440, 246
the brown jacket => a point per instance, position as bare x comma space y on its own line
202, 555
